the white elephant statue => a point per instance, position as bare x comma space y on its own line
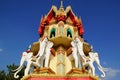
28, 58
79, 45
93, 57
44, 52
41, 51
47, 52
75, 53
42, 47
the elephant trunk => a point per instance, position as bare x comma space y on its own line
19, 68
15, 74
102, 71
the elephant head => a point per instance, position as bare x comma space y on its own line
25, 57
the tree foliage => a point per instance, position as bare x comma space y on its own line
2, 75
10, 74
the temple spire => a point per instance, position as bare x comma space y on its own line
61, 6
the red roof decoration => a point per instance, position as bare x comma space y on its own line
60, 15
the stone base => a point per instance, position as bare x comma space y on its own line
60, 77
48, 74
43, 71
77, 71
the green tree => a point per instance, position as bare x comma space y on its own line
10, 74
2, 75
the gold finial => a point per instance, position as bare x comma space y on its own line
61, 6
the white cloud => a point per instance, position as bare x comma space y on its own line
1, 50
111, 73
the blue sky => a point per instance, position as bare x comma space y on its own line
19, 21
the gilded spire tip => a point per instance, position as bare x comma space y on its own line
61, 6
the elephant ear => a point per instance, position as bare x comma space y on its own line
35, 48
86, 48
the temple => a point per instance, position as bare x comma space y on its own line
61, 52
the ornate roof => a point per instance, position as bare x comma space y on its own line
55, 15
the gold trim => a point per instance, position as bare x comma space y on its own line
60, 76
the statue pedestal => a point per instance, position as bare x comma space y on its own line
48, 74
60, 77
